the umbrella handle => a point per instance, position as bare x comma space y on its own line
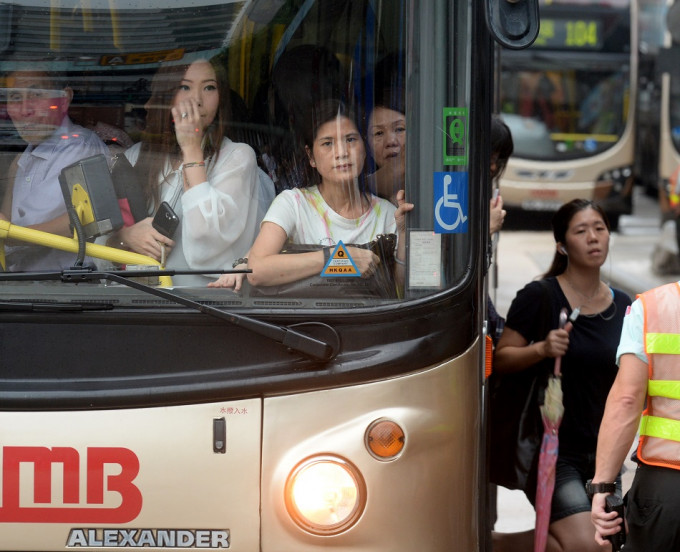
558, 360
557, 371
563, 318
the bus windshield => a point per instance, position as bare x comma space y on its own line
567, 95
262, 137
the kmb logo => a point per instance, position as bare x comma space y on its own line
17, 509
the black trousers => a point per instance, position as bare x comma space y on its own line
653, 510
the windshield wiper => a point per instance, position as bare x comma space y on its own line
23, 306
288, 337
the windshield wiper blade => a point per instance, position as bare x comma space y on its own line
23, 306
288, 337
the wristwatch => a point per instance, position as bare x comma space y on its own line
593, 488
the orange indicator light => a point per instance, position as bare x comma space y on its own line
385, 439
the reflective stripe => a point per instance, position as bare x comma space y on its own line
660, 433
669, 389
662, 428
662, 343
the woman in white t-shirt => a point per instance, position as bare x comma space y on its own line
334, 208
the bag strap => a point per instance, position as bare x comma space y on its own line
546, 313
545, 318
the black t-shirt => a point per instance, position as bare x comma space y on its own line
589, 366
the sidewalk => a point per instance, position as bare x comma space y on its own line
523, 256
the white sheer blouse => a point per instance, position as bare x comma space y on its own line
219, 218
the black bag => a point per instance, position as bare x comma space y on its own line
515, 427
495, 322
129, 190
381, 284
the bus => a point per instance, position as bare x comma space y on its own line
139, 409
669, 128
569, 101
651, 35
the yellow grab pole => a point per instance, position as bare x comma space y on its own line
120, 256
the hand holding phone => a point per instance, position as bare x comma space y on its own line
165, 220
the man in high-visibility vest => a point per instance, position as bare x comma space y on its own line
649, 379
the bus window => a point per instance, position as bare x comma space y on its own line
128, 76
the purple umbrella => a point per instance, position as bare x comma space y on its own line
552, 411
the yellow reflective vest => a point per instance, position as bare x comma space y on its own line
660, 422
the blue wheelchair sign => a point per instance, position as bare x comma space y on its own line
450, 202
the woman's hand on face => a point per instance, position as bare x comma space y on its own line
365, 260
189, 126
557, 342
143, 238
402, 208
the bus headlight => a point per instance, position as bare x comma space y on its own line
325, 495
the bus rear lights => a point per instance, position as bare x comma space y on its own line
385, 439
603, 188
615, 180
325, 495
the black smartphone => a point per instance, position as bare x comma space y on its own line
165, 220
614, 503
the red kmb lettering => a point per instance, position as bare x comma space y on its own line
43, 458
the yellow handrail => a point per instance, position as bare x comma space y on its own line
120, 256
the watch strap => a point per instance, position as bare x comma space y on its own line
594, 488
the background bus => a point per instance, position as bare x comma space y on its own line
652, 30
327, 416
569, 100
668, 106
